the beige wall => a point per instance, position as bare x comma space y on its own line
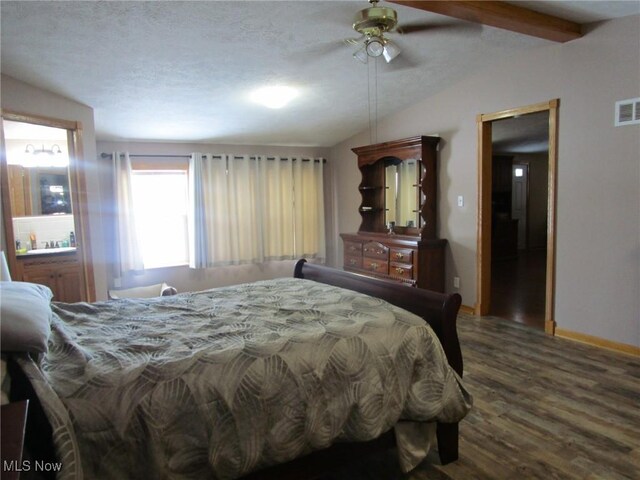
23, 98
184, 278
598, 242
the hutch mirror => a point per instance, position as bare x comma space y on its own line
399, 186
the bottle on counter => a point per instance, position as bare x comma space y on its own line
72, 239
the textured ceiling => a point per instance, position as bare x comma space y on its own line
182, 71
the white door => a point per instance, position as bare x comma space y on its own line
519, 196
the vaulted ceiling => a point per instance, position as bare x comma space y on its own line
182, 71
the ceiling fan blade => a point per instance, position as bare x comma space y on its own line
318, 51
412, 28
354, 41
401, 62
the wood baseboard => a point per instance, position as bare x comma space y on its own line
598, 342
467, 309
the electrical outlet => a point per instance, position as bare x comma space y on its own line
456, 282
460, 201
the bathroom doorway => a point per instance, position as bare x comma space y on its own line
46, 194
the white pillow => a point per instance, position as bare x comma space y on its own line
25, 317
139, 292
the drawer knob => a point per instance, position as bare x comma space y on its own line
374, 266
399, 270
352, 261
399, 255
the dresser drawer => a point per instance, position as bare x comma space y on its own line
402, 255
401, 270
375, 250
375, 265
352, 262
352, 249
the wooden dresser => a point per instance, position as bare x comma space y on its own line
397, 237
407, 259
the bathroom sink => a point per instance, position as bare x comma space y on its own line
41, 251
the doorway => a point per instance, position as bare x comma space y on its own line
44, 190
516, 242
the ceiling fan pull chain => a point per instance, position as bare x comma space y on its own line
376, 99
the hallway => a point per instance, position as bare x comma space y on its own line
518, 288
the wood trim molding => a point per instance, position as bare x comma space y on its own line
484, 217
483, 255
9, 245
598, 342
81, 220
549, 321
503, 15
38, 120
467, 309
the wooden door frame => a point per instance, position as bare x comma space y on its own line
77, 182
483, 254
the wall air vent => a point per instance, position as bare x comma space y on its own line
628, 112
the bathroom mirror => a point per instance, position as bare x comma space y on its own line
39, 191
402, 196
37, 169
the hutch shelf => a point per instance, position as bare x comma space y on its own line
408, 251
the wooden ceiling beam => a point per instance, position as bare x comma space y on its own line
502, 15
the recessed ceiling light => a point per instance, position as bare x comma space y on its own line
274, 97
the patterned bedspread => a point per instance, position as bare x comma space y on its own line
217, 384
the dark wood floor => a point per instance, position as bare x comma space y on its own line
544, 408
518, 288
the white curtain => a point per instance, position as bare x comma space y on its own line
127, 247
198, 253
309, 209
276, 189
258, 209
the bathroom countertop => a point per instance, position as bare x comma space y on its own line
47, 251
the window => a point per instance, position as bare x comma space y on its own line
257, 209
160, 203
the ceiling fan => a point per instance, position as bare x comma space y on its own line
372, 24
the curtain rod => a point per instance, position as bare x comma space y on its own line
110, 155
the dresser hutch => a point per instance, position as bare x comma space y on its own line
397, 237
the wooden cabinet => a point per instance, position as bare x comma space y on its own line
60, 272
401, 258
412, 255
372, 160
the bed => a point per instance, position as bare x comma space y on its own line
261, 380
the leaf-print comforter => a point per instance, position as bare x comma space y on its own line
217, 384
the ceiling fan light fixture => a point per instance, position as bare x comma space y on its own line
390, 51
361, 54
375, 46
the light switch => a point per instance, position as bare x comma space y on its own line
460, 201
